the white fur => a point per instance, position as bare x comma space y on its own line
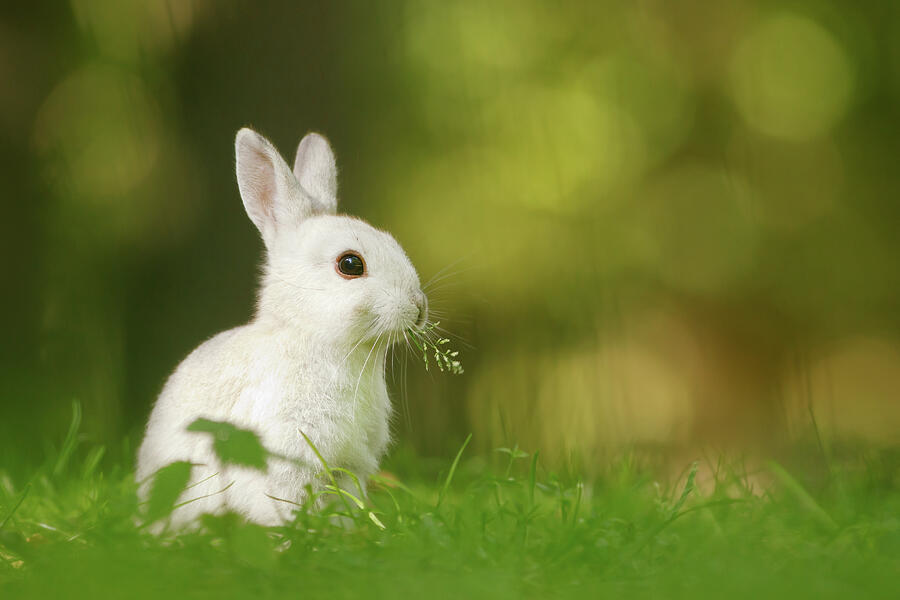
311, 360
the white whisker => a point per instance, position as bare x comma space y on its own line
363, 369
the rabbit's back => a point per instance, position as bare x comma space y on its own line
206, 384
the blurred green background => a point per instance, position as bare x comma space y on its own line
655, 223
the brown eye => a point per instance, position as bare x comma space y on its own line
351, 265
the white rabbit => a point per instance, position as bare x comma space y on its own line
335, 294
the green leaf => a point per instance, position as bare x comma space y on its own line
168, 484
233, 445
513, 453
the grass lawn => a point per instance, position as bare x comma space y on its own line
500, 526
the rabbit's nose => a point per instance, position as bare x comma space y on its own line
421, 303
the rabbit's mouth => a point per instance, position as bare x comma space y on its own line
421, 302
410, 313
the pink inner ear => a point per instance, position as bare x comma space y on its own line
262, 180
269, 190
256, 179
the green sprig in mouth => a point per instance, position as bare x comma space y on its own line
430, 342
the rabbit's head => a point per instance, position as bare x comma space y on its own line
335, 277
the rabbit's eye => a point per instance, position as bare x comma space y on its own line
351, 265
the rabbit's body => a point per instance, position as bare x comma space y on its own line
348, 424
312, 360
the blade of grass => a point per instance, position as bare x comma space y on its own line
387, 483
93, 459
804, 497
453, 466
16, 505
210, 495
688, 488
71, 439
376, 520
334, 489
579, 492
327, 470
354, 478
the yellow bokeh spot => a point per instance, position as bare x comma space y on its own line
556, 149
137, 28
98, 132
620, 392
472, 37
791, 79
851, 391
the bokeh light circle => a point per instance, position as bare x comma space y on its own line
791, 79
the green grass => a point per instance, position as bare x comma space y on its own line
498, 526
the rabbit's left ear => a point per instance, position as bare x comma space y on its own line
316, 171
269, 190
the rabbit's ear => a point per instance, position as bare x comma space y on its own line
316, 171
268, 188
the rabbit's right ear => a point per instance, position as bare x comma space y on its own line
270, 192
316, 171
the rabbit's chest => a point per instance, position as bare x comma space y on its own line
348, 424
